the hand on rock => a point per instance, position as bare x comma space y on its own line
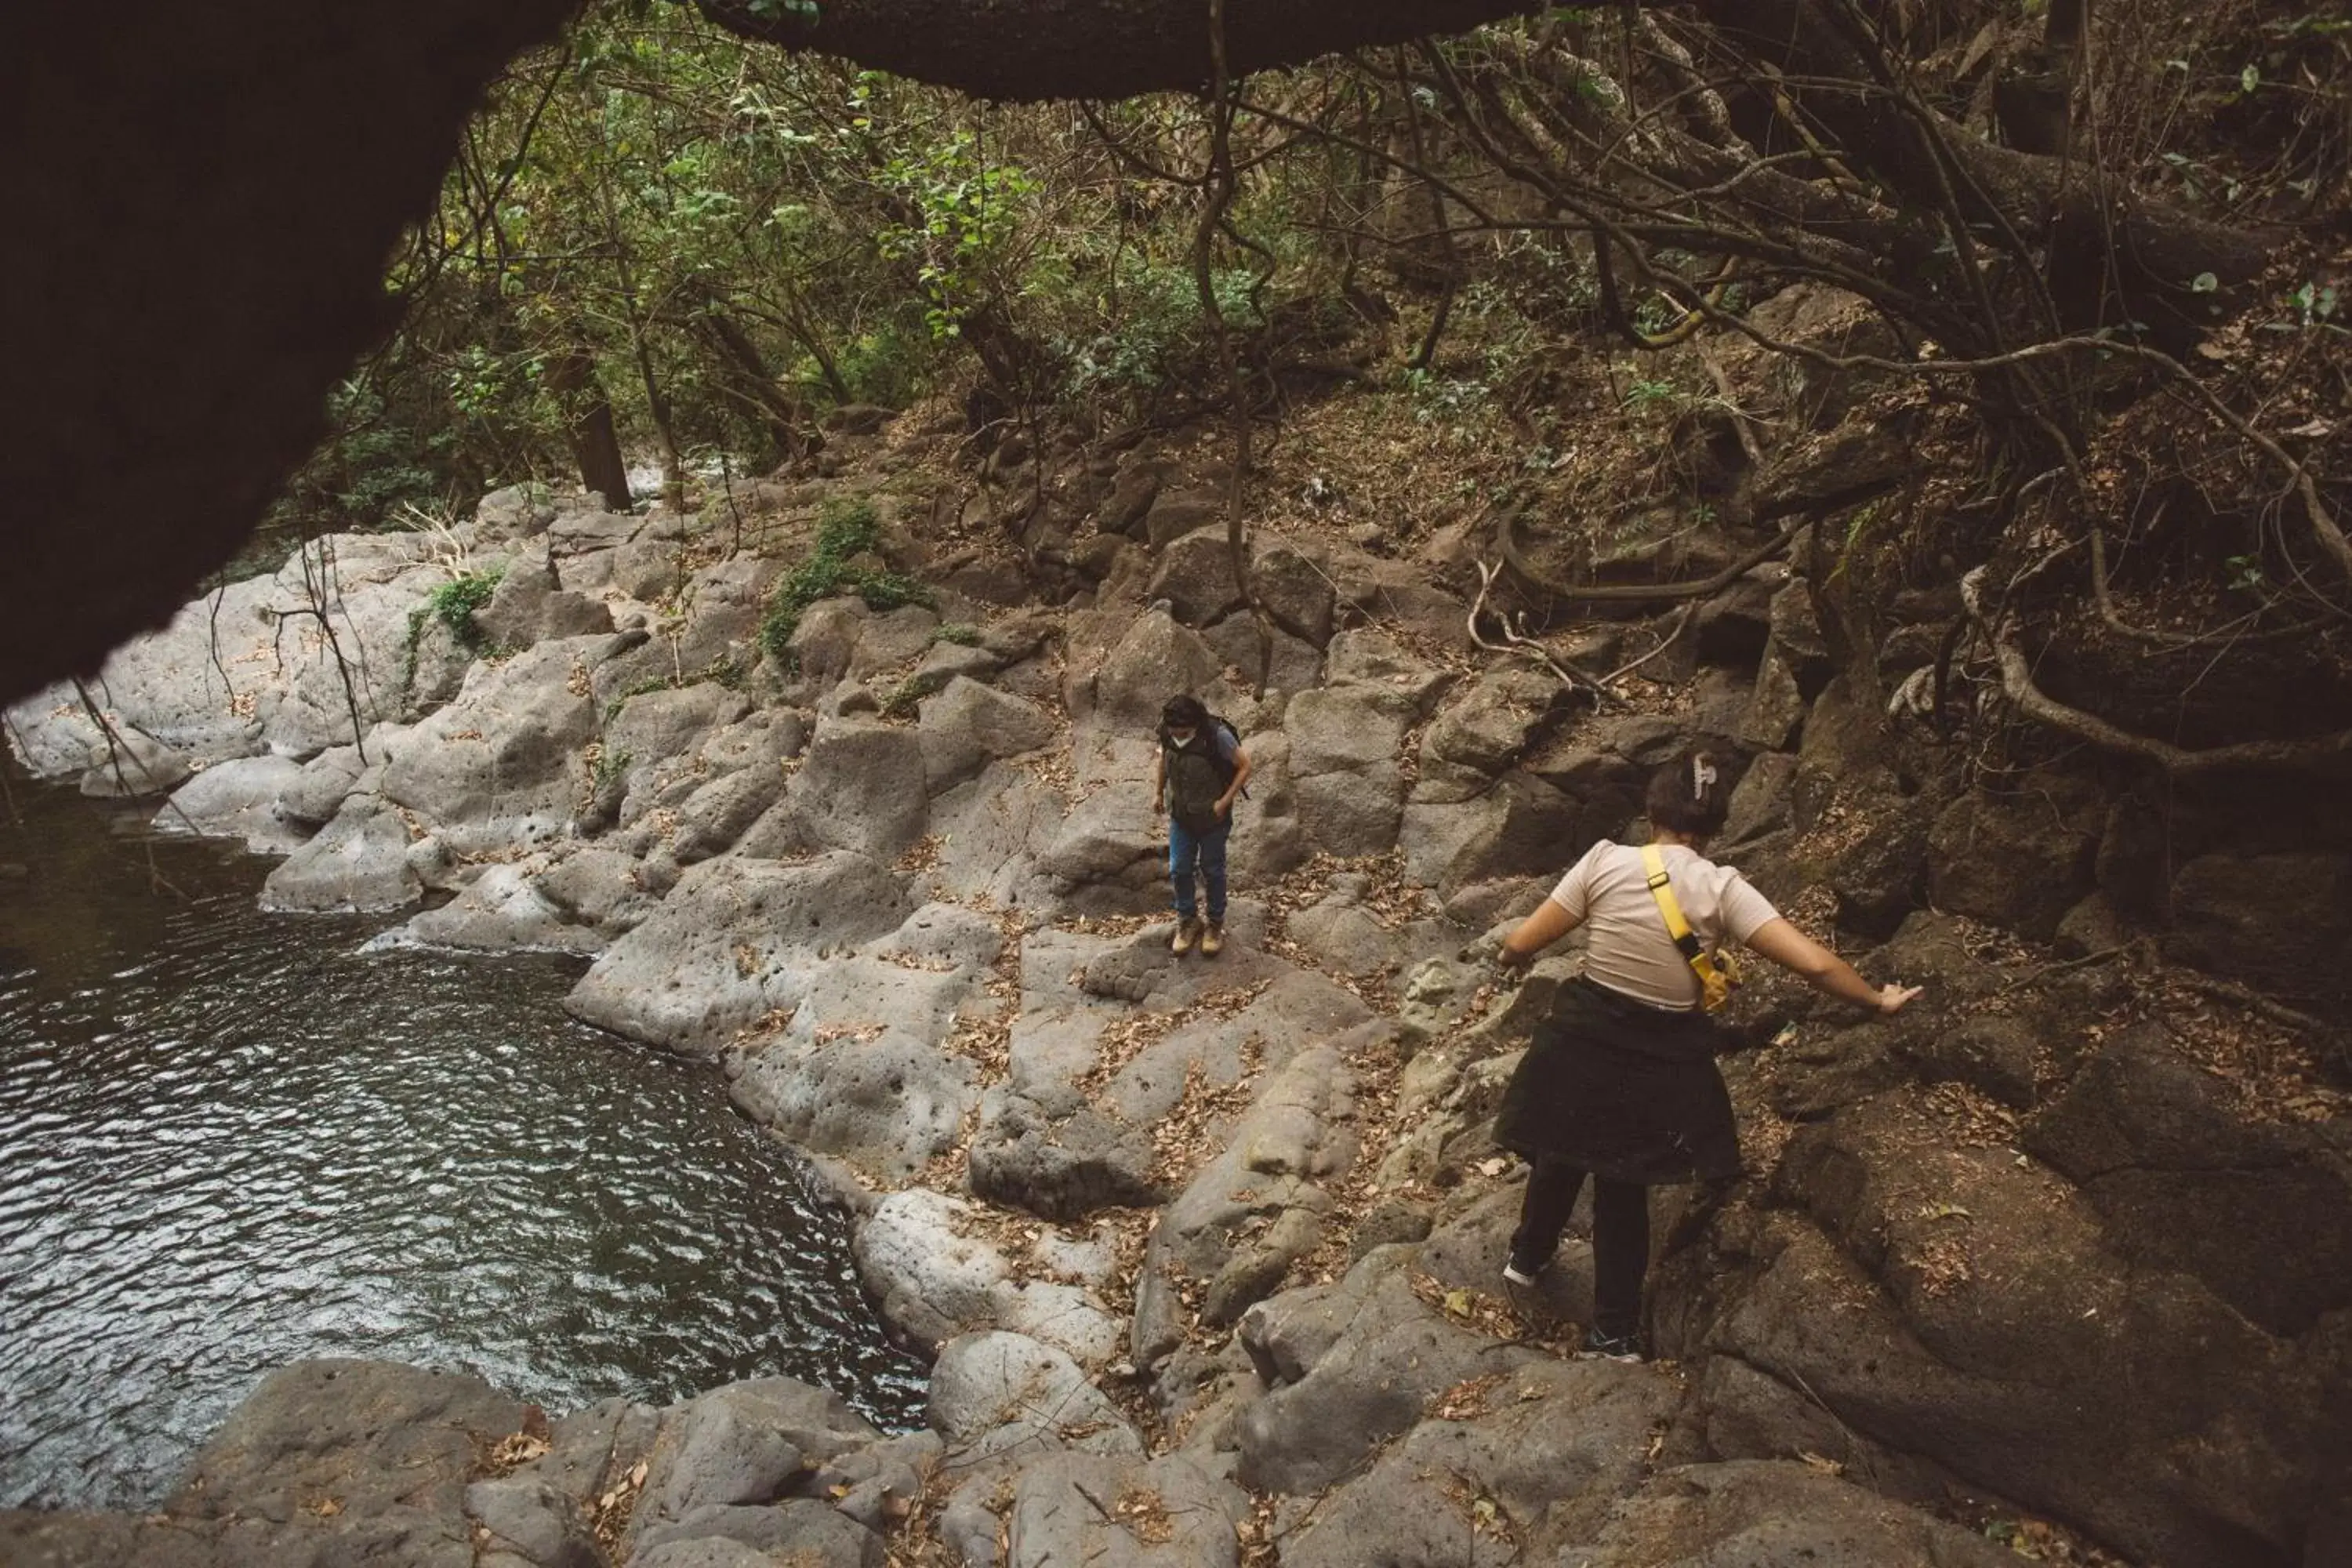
1890, 997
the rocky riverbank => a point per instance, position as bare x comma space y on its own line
1208, 1252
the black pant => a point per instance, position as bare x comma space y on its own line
1620, 1237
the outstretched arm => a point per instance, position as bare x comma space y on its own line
1551, 922
1792, 949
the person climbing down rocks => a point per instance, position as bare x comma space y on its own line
1620, 1082
1201, 770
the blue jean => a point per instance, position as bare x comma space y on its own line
1186, 850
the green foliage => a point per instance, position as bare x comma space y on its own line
958, 633
1438, 397
1148, 329
844, 529
722, 670
608, 768
377, 461
1645, 394
454, 603
965, 224
888, 364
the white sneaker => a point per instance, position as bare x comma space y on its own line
1511, 1275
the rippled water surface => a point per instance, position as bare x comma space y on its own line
228, 1140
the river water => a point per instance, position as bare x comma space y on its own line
228, 1140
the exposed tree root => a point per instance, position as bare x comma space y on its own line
2017, 685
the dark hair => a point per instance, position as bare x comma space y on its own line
1691, 796
1184, 713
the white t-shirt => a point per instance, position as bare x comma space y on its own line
1628, 948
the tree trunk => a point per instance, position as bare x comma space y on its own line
588, 426
748, 380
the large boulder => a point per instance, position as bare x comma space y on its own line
654, 738
1344, 768
2185, 1180
1986, 1325
1004, 1394
1151, 659
969, 725
529, 606
359, 863
1196, 577
1757, 1514
931, 1262
801, 1532
861, 788
1105, 1106
746, 1443
310, 801
734, 941
502, 911
522, 1520
500, 766
861, 1069
1519, 825
128, 763
1502, 717
237, 799
1510, 1466
2020, 861
1294, 592
346, 609
1351, 1366
1168, 1512
392, 1447
203, 684
2281, 921
1380, 668
1254, 1210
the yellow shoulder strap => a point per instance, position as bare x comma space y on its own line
1662, 888
1716, 976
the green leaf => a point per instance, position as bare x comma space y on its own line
2204, 283
2249, 78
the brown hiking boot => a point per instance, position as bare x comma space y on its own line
1187, 934
1213, 939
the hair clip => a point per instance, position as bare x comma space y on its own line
1702, 774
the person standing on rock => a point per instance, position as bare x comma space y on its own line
1201, 769
1620, 1083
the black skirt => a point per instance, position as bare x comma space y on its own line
1622, 1090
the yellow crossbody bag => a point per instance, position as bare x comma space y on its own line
1716, 973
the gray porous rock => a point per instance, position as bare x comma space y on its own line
238, 798
393, 1445
358, 863
1351, 1367
741, 1445
736, 940
996, 1394
798, 1531
1547, 1450
937, 1273
527, 1518
1760, 1514
500, 767
1119, 1511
